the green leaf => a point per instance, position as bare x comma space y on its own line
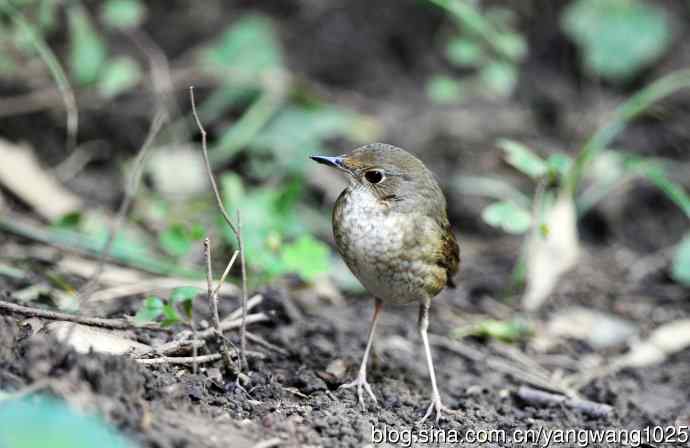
264, 222
617, 38
512, 45
196, 232
674, 191
444, 90
492, 187
464, 52
680, 269
523, 158
71, 220
123, 13
269, 219
249, 48
175, 240
119, 75
150, 309
307, 256
559, 163
507, 331
184, 294
508, 216
499, 77
295, 132
171, 317
87, 50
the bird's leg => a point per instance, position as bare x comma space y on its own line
436, 404
361, 381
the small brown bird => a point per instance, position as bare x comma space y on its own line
391, 227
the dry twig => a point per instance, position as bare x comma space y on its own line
213, 304
116, 324
194, 360
519, 371
184, 342
236, 228
269, 443
541, 398
191, 359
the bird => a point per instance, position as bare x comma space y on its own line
391, 227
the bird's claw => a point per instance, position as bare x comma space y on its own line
440, 408
360, 383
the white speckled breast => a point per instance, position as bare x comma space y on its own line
372, 240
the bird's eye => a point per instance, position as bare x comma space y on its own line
374, 176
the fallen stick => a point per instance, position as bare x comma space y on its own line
192, 359
184, 337
269, 443
180, 359
264, 343
520, 372
116, 324
541, 398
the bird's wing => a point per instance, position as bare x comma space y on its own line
448, 255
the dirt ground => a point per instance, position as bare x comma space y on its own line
295, 396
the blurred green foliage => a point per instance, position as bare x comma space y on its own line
280, 125
276, 237
248, 50
617, 38
485, 43
177, 239
277, 122
601, 169
90, 60
41, 421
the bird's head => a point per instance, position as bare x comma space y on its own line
390, 173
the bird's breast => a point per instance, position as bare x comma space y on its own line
379, 246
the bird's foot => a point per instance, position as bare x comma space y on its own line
440, 409
360, 383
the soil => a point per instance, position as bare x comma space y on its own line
295, 397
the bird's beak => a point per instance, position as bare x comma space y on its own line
330, 161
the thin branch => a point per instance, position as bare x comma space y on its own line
191, 359
226, 325
117, 324
243, 329
180, 359
264, 343
541, 398
184, 343
213, 304
251, 303
226, 272
269, 443
519, 372
204, 147
175, 347
236, 228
